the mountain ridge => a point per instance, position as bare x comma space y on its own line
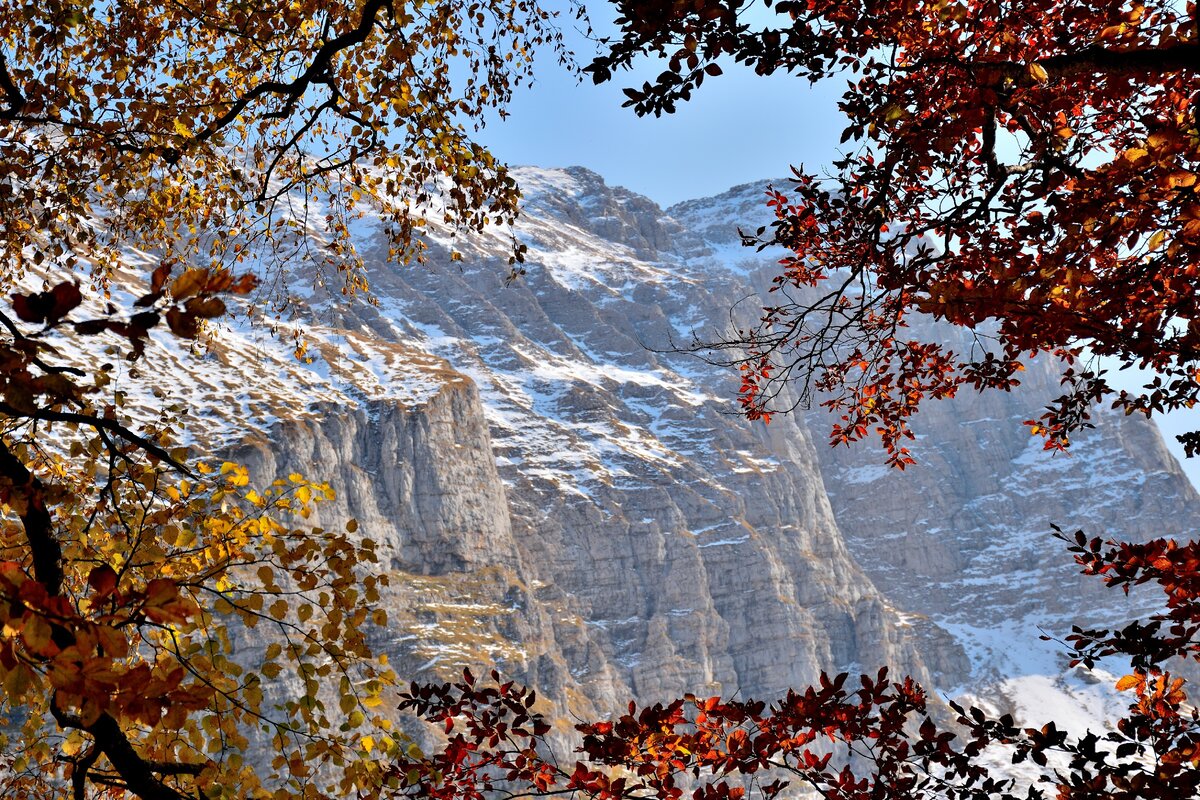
564, 495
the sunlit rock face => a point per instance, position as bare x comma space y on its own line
963, 542
560, 493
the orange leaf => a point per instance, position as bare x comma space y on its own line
1130, 681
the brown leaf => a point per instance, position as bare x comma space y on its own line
91, 327
159, 278
36, 635
244, 285
182, 323
28, 307
141, 324
64, 298
148, 299
218, 281
187, 284
48, 307
206, 307
103, 580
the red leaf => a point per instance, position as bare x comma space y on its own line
103, 580
159, 278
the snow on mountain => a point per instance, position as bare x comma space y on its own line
963, 541
652, 541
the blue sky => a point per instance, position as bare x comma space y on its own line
739, 127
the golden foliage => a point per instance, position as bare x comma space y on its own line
163, 624
162, 579
209, 132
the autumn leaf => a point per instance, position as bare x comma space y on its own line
103, 580
932, 214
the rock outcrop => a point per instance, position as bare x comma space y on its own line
563, 494
964, 541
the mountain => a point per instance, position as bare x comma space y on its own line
562, 494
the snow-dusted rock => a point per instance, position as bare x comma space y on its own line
564, 497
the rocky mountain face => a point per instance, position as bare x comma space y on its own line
563, 496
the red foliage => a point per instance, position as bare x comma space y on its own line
865, 741
1029, 171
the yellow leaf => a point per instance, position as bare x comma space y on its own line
185, 538
1130, 681
1038, 72
72, 744
17, 682
37, 636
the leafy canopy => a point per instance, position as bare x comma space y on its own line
203, 131
1026, 170
158, 146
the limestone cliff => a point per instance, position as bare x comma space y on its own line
579, 510
562, 494
963, 541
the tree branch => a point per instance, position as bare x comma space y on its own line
35, 517
100, 423
138, 773
1183, 57
13, 99
314, 73
79, 775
